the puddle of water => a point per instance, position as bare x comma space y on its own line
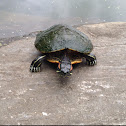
22, 17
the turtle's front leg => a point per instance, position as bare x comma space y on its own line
91, 59
36, 64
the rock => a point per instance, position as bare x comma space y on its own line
92, 95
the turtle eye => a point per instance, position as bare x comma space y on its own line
62, 65
68, 66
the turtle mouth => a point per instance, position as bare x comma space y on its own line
65, 74
64, 71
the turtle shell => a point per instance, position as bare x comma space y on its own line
60, 37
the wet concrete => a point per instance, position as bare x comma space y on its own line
92, 95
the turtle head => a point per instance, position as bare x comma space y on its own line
65, 66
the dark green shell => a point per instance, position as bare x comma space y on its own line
59, 37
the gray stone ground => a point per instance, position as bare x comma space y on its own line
92, 95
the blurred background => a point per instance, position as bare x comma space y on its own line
19, 17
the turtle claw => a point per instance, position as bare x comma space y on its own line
91, 59
91, 62
34, 69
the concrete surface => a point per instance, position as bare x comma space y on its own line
92, 95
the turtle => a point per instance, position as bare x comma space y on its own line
64, 45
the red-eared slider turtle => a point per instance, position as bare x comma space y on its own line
64, 45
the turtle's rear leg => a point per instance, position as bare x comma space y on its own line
36, 64
90, 59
